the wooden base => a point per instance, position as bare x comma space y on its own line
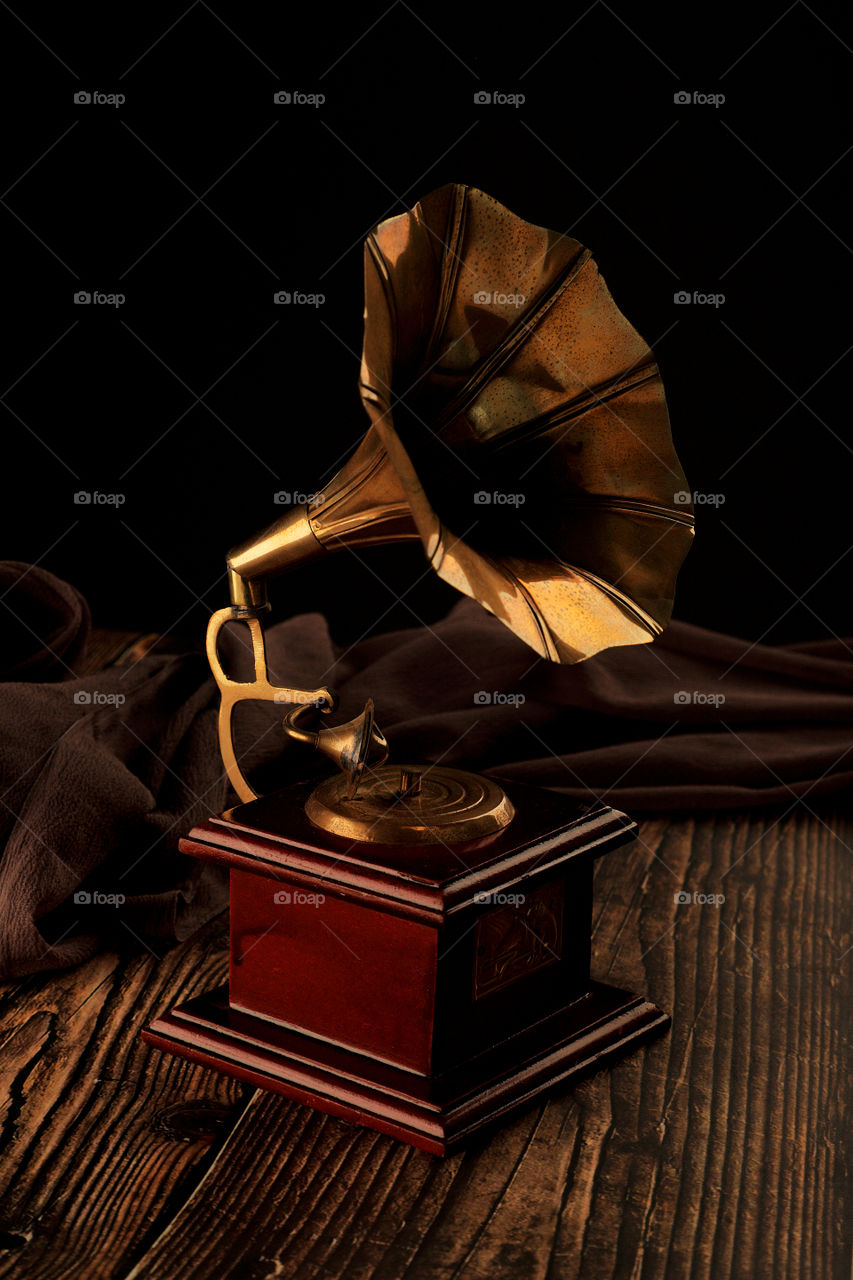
424, 991
435, 1113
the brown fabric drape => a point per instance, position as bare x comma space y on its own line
100, 776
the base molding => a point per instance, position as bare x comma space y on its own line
436, 1114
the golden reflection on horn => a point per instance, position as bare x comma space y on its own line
518, 431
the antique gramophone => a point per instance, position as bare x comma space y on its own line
410, 944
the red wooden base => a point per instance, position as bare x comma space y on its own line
434, 1113
423, 991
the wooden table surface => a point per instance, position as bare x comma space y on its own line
721, 1150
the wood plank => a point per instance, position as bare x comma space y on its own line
97, 1134
719, 1151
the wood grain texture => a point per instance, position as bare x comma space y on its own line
721, 1150
97, 1136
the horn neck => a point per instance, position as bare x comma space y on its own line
364, 505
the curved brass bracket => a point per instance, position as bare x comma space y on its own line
260, 689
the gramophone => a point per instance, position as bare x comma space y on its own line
410, 942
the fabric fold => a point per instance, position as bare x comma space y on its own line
101, 775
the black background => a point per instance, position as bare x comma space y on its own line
746, 199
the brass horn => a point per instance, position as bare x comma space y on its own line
518, 430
